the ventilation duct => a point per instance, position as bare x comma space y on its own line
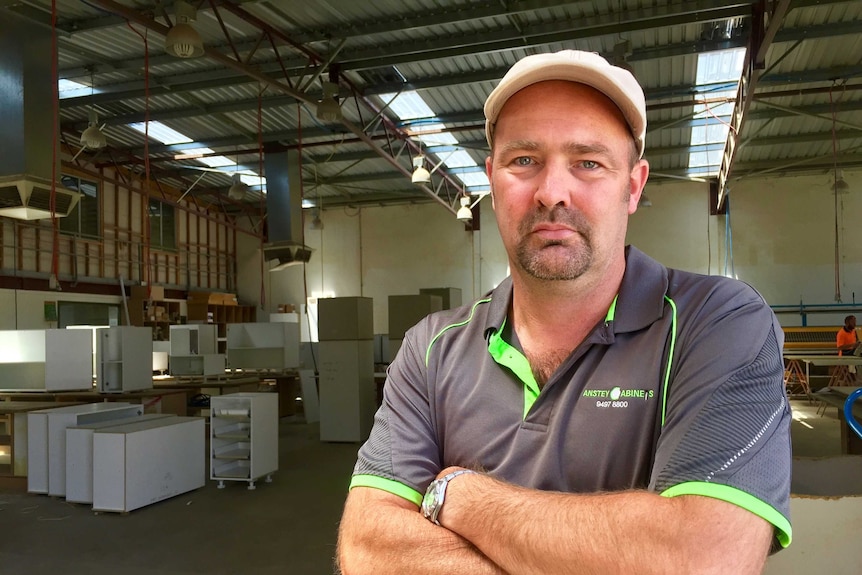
28, 91
284, 211
29, 198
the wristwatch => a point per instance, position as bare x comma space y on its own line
432, 503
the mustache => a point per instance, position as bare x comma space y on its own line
556, 215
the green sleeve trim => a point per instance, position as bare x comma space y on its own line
389, 485
508, 356
448, 327
784, 532
669, 359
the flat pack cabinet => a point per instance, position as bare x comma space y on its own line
243, 437
124, 359
46, 360
141, 463
79, 455
271, 346
46, 440
194, 350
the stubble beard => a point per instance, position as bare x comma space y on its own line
555, 260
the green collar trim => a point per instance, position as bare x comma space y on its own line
612, 310
450, 326
510, 357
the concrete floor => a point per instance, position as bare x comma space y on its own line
287, 526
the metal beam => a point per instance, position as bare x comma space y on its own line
765, 27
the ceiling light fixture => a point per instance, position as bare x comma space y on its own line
328, 108
237, 189
182, 40
421, 175
464, 214
93, 137
316, 222
644, 202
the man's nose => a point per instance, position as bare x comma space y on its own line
554, 184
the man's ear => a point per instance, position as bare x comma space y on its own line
488, 170
637, 182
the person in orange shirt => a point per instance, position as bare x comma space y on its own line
847, 339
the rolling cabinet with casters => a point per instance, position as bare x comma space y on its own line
243, 437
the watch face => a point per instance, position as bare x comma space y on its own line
429, 500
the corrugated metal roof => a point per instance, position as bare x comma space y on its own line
453, 52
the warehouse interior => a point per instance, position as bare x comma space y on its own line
192, 168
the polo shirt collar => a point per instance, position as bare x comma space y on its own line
640, 301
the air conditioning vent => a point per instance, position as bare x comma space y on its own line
29, 198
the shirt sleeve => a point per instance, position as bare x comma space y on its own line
401, 455
727, 432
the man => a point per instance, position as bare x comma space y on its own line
596, 412
847, 339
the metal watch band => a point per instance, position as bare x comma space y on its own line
432, 503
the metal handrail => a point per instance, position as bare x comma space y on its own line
848, 412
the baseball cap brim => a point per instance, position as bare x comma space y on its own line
586, 68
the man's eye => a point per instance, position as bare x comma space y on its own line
589, 164
523, 161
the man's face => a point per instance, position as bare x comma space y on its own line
562, 180
851, 322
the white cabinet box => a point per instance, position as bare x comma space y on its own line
46, 440
124, 358
348, 396
79, 455
243, 437
46, 360
263, 345
194, 350
138, 464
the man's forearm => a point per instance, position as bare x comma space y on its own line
382, 538
533, 532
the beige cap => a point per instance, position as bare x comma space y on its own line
583, 67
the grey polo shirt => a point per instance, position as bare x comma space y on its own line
679, 391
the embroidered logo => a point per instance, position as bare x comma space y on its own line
618, 397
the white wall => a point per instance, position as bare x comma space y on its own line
783, 244
783, 232
24, 309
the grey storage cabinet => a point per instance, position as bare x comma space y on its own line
347, 392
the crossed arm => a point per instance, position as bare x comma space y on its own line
490, 527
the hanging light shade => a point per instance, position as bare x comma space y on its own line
92, 137
182, 40
421, 175
237, 189
465, 214
840, 185
328, 109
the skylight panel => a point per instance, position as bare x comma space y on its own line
161, 133
424, 126
713, 121
64, 85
